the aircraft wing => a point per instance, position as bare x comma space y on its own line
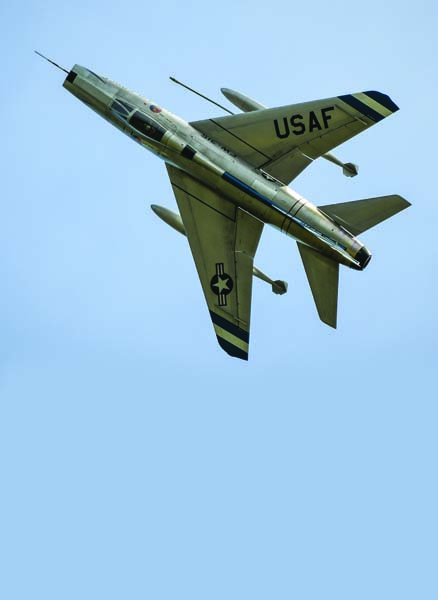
223, 239
283, 141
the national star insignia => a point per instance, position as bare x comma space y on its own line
222, 285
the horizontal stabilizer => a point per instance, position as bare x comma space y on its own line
323, 276
360, 215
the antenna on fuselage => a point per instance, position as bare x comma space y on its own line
51, 61
199, 94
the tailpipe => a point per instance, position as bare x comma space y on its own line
363, 257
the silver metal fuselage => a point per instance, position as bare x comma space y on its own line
178, 143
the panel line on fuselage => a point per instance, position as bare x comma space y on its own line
254, 194
243, 187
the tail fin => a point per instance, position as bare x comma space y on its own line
361, 215
323, 276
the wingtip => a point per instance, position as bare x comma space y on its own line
231, 349
383, 99
374, 105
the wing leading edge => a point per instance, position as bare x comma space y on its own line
223, 239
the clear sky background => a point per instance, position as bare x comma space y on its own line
137, 459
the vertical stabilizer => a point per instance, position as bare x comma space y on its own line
323, 276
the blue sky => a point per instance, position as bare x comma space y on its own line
137, 460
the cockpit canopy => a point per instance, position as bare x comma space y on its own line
122, 108
138, 120
147, 126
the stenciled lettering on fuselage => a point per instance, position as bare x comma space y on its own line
303, 123
212, 141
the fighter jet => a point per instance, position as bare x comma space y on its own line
230, 176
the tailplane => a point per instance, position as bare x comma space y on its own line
360, 215
323, 272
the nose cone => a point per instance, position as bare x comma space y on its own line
89, 87
364, 257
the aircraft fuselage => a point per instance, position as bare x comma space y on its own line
178, 143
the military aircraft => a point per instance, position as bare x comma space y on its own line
230, 176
